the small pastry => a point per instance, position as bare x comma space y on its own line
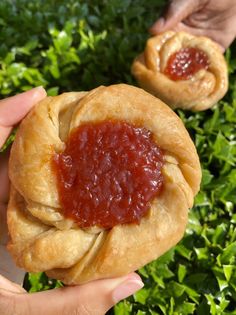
183, 70
101, 184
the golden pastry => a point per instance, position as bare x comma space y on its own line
101, 184
183, 70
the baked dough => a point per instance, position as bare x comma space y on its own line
201, 91
43, 240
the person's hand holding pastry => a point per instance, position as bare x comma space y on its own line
95, 297
12, 111
215, 19
101, 184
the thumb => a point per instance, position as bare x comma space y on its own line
14, 108
177, 11
94, 298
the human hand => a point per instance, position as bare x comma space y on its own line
213, 18
93, 298
12, 110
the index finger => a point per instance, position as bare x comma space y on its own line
177, 11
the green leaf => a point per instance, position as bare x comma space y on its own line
35, 282
182, 271
193, 295
185, 308
224, 149
211, 302
206, 177
183, 251
219, 233
62, 42
142, 295
175, 289
122, 308
202, 253
53, 91
220, 277
229, 253
228, 269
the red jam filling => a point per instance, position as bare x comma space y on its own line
183, 64
108, 174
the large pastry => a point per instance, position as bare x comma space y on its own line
101, 184
183, 70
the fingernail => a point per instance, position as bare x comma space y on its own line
39, 90
127, 288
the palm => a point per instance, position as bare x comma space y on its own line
77, 299
10, 114
11, 271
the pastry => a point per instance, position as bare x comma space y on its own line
183, 70
101, 184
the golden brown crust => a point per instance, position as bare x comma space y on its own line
43, 240
200, 92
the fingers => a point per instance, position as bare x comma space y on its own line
8, 267
8, 297
222, 39
13, 109
94, 298
9, 286
177, 11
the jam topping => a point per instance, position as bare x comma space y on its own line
108, 174
183, 64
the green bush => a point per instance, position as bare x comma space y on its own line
69, 45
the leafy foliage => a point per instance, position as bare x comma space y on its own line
73, 45
76, 45
35, 282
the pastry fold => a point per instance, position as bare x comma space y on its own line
204, 89
42, 239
